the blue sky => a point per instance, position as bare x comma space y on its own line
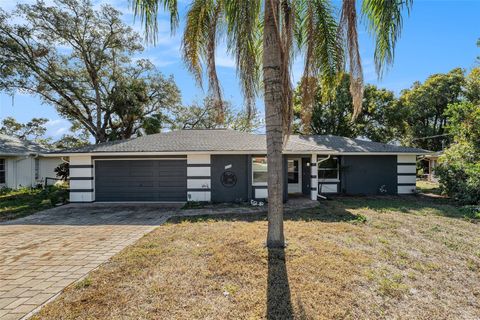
437, 37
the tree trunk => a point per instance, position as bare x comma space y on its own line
272, 78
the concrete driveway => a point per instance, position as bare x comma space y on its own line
43, 253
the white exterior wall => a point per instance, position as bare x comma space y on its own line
314, 175
81, 179
20, 171
199, 177
47, 168
406, 174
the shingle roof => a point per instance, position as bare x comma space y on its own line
15, 147
343, 144
229, 140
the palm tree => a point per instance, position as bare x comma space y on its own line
264, 42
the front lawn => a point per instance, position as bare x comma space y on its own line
354, 258
22, 202
428, 187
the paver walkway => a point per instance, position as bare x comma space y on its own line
42, 254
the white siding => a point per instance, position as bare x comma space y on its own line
407, 169
406, 158
314, 181
20, 172
81, 172
198, 159
406, 189
80, 160
406, 165
198, 183
200, 167
47, 167
198, 196
83, 196
198, 171
407, 179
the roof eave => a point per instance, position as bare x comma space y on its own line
288, 152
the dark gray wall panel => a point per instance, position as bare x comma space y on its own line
366, 174
141, 180
236, 164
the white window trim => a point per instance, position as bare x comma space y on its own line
329, 179
258, 184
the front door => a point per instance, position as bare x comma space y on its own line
306, 176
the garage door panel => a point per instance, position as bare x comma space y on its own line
140, 180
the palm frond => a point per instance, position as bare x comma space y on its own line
244, 41
199, 44
385, 23
322, 46
348, 32
148, 12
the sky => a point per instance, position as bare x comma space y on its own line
437, 36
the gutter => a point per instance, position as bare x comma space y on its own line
259, 152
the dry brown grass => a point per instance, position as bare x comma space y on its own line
409, 259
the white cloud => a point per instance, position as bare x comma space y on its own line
57, 127
223, 59
56, 122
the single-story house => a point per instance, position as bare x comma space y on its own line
230, 166
432, 163
24, 164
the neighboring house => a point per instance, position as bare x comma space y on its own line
432, 162
22, 163
230, 166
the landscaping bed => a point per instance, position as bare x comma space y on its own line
22, 202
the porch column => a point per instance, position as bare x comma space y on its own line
314, 178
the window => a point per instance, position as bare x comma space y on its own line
328, 169
259, 169
2, 171
37, 169
292, 171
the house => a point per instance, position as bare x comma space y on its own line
230, 166
432, 163
23, 164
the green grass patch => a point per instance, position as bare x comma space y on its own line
428, 187
22, 202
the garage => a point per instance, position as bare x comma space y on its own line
141, 180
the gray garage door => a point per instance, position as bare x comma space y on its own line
141, 180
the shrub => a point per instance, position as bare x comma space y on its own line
56, 194
459, 173
63, 171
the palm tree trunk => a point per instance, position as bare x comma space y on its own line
272, 78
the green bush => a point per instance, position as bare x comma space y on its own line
56, 194
459, 169
459, 173
471, 212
